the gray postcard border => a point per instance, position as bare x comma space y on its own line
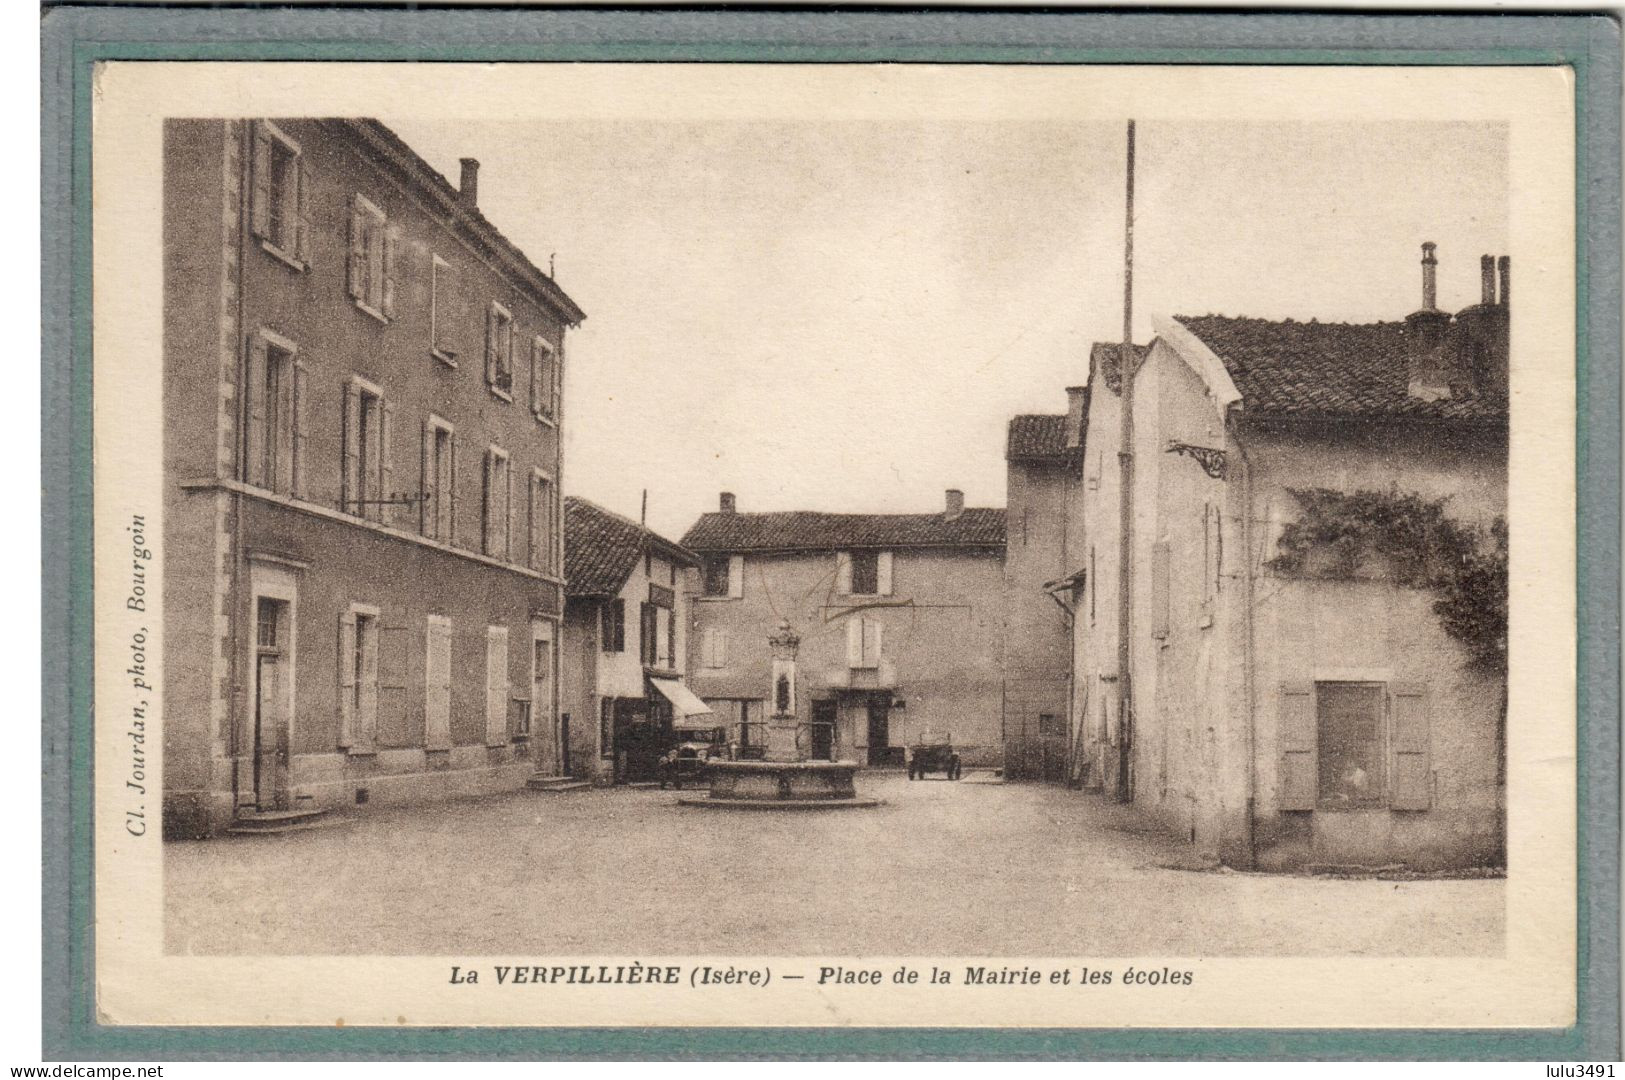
74, 38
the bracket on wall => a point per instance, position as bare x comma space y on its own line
1211, 460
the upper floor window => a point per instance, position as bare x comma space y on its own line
498, 502
274, 454
371, 272
544, 380
863, 573
723, 575
648, 632
499, 350
280, 209
438, 507
544, 518
1354, 745
367, 470
442, 316
863, 637
613, 631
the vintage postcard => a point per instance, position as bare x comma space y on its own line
834, 545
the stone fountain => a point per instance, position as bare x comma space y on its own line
787, 778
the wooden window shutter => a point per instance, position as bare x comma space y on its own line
1159, 589
532, 558
301, 428
366, 726
507, 510
428, 506
1412, 766
350, 480
854, 643
254, 440
260, 210
883, 573
286, 424
620, 625
356, 265
536, 387
450, 494
387, 299
486, 508
555, 382
736, 575
437, 670
386, 462
843, 573
301, 236
492, 326
496, 685
873, 633
346, 667
1299, 784
606, 627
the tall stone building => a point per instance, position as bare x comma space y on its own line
363, 409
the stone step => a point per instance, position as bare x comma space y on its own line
556, 783
260, 822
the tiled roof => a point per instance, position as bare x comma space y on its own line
1039, 438
601, 548
1328, 369
802, 530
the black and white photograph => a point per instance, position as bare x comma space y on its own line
740, 526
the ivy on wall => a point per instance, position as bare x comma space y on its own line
1414, 544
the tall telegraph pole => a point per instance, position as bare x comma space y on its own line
1125, 498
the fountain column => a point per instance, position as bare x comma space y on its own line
782, 723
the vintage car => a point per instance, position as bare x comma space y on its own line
933, 753
687, 758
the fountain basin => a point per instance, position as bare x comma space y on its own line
782, 785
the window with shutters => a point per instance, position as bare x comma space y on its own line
499, 351
648, 623
439, 492
358, 679
544, 515
544, 381
613, 635
863, 643
1349, 745
371, 264
714, 573
281, 202
276, 396
437, 684
442, 314
496, 685
865, 573
497, 504
714, 648
367, 460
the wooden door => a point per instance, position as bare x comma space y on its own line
823, 730
270, 734
879, 729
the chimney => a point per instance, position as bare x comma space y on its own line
1486, 271
955, 505
1426, 331
1506, 280
1074, 417
726, 503
469, 187
1430, 288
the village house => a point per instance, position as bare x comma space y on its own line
625, 645
1315, 667
1043, 454
363, 409
899, 617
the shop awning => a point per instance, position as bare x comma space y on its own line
682, 699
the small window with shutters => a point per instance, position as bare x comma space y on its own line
543, 514
370, 268
1353, 746
358, 679
437, 684
499, 351
613, 631
280, 211
863, 643
497, 504
438, 496
544, 380
714, 575
442, 312
368, 461
1349, 746
277, 395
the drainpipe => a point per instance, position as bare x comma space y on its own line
1249, 665
240, 600
1125, 497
